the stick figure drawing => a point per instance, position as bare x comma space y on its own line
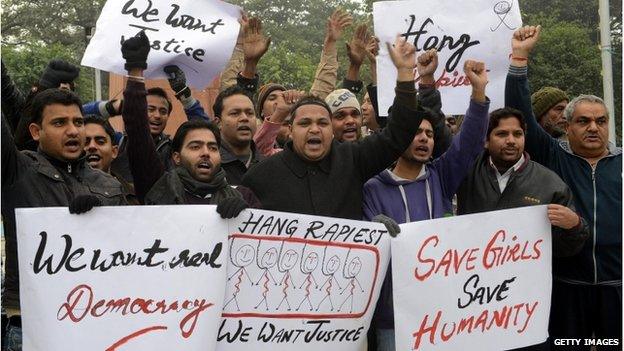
243, 257
329, 268
350, 271
287, 261
308, 265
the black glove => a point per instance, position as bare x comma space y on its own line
57, 72
84, 203
135, 50
392, 226
177, 81
230, 207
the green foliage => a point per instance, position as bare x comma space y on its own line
297, 30
26, 64
568, 55
566, 58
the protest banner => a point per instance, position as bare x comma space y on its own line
298, 282
197, 36
121, 278
482, 279
459, 30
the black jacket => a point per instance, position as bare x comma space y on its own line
532, 184
333, 186
32, 179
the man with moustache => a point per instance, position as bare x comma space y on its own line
197, 176
235, 113
587, 287
101, 149
315, 174
548, 105
54, 175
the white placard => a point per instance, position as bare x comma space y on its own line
482, 279
198, 36
298, 282
121, 278
459, 30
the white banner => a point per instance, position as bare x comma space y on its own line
121, 278
197, 36
298, 282
459, 30
482, 279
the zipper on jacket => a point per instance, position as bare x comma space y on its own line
594, 234
69, 168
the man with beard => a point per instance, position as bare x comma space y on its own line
315, 174
587, 287
54, 175
346, 115
548, 105
101, 149
417, 189
197, 176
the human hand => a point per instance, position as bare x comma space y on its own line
135, 50
524, 40
426, 64
403, 56
255, 43
282, 105
336, 23
562, 216
477, 75
356, 49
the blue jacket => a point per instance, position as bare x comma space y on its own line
597, 193
427, 197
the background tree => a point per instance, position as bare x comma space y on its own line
568, 55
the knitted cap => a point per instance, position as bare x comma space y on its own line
545, 98
264, 93
342, 98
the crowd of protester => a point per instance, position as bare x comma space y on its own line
330, 152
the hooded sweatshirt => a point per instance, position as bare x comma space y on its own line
429, 195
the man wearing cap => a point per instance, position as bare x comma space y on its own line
320, 176
548, 105
346, 115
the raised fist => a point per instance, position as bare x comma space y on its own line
524, 40
477, 74
135, 51
427, 63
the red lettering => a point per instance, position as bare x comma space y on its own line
431, 261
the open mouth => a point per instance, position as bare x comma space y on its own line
205, 165
422, 148
73, 144
314, 141
350, 132
93, 158
244, 129
155, 124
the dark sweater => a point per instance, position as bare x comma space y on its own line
333, 186
532, 184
